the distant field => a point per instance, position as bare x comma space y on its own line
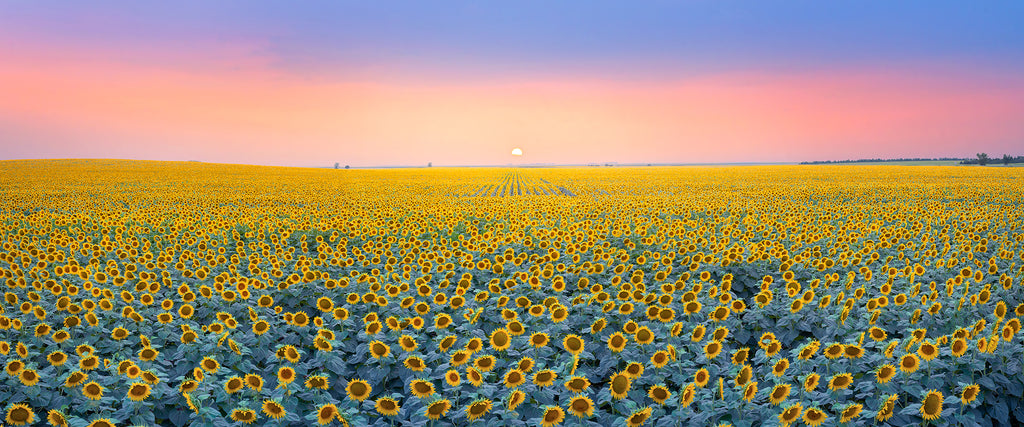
164, 293
908, 163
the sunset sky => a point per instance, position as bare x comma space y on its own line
464, 82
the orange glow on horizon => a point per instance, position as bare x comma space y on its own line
261, 116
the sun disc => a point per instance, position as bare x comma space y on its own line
517, 152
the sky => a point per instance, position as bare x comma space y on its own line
464, 82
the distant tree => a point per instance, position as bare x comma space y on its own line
346, 166
1007, 159
430, 164
983, 159
335, 165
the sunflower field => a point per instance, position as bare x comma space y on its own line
166, 293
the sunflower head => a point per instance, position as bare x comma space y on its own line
659, 393
931, 405
273, 409
326, 413
93, 390
581, 406
790, 414
969, 394
814, 417
437, 409
421, 388
619, 385
779, 393
478, 408
138, 391
358, 390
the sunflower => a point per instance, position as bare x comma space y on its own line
478, 409
811, 381
698, 333
437, 409
739, 357
119, 333
326, 413
210, 365
750, 391
56, 418
514, 399
743, 376
150, 377
779, 393
660, 358
853, 352
101, 422
189, 386
148, 354
254, 382
544, 378
833, 351
525, 364
29, 377
385, 406
57, 358
909, 363
459, 358
659, 394
514, 378
686, 397
721, 333
484, 363
840, 381
887, 410
474, 376
538, 339
619, 385
644, 336
93, 390
408, 343
779, 369
273, 409
243, 415
931, 405
701, 377
379, 350
850, 412
877, 334
446, 343
969, 394
577, 384
814, 417
617, 342
712, 348
20, 414
638, 417
573, 344
358, 390
316, 382
233, 385
927, 351
14, 367
452, 378
791, 414
421, 388
89, 363
885, 373
138, 391
260, 327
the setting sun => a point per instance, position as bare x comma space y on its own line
517, 152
